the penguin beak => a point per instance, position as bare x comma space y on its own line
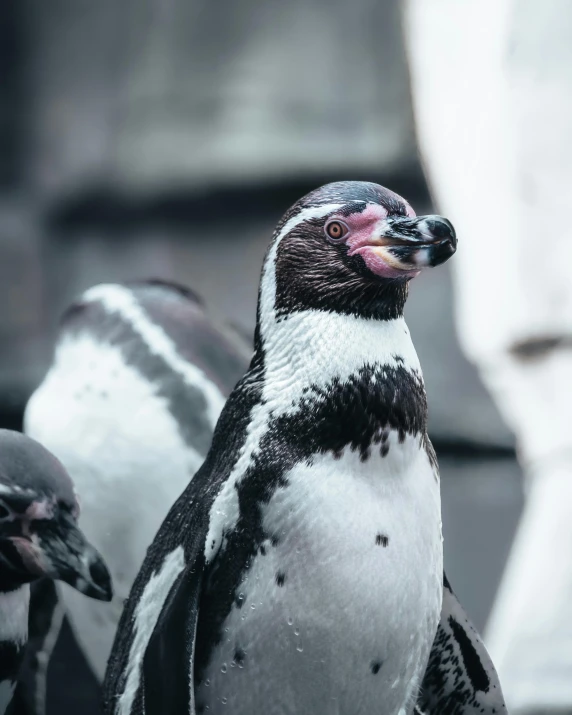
410, 244
58, 549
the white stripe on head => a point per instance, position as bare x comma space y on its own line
225, 510
15, 489
268, 281
120, 300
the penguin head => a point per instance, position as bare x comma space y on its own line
352, 247
39, 535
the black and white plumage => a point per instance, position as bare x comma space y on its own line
39, 537
139, 377
460, 676
301, 569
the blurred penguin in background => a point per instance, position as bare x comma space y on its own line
139, 376
39, 539
492, 92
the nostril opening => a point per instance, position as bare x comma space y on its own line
443, 229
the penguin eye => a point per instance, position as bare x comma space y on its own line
336, 230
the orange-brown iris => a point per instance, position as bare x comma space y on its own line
336, 230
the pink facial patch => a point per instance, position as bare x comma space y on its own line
377, 265
365, 225
362, 225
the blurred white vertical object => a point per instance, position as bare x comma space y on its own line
456, 58
492, 93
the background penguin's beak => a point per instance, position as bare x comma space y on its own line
58, 549
412, 243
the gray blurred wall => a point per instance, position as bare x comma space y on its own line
166, 137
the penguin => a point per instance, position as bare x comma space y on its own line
39, 537
139, 376
301, 569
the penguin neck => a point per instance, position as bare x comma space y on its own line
312, 352
307, 344
335, 343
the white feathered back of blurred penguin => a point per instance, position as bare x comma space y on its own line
139, 377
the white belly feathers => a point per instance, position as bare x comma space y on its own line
345, 597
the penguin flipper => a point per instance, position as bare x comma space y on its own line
460, 675
168, 663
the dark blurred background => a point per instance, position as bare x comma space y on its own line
166, 137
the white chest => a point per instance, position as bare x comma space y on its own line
14, 607
338, 616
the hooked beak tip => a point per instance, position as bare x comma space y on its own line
76, 562
94, 580
442, 251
